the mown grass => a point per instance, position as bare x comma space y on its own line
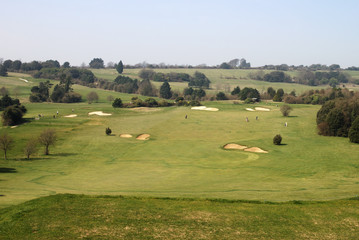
104, 217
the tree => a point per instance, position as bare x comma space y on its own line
16, 65
117, 103
3, 71
199, 80
92, 97
165, 90
225, 66
243, 64
119, 67
336, 122
12, 115
4, 91
110, 98
108, 131
221, 96
354, 131
236, 91
66, 65
47, 138
233, 63
277, 140
30, 148
146, 74
271, 92
146, 88
97, 63
286, 109
6, 143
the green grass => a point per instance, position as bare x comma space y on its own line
104, 217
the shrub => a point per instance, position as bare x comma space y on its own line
286, 109
117, 103
108, 131
354, 131
12, 115
221, 96
277, 139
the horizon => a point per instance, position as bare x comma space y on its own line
182, 32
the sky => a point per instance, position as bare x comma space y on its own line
186, 32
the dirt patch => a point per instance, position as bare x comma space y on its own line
126, 135
99, 113
255, 149
145, 109
204, 108
143, 137
71, 116
234, 146
262, 109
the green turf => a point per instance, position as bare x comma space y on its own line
103, 217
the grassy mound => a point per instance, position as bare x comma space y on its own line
104, 217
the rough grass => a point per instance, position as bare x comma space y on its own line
104, 217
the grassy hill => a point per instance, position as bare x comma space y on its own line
104, 217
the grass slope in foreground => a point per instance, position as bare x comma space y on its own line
104, 217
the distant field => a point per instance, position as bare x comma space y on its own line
103, 217
222, 79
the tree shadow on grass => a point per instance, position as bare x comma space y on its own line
292, 116
7, 170
63, 154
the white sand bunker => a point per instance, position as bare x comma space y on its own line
14, 126
258, 109
71, 116
234, 146
24, 80
143, 137
205, 108
255, 149
124, 135
100, 113
262, 109
245, 148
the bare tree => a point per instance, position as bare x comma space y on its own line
30, 148
6, 143
286, 109
92, 97
16, 91
110, 98
4, 91
47, 138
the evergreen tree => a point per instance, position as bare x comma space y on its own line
354, 131
165, 90
119, 67
3, 71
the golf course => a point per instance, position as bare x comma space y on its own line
175, 160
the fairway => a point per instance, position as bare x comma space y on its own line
182, 157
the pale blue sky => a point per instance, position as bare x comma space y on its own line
182, 32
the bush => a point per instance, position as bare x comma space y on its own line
221, 96
286, 109
354, 131
12, 115
108, 131
117, 103
277, 139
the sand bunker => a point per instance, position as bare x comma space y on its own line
234, 146
100, 113
71, 116
143, 137
255, 149
250, 109
14, 126
262, 109
126, 135
205, 108
24, 80
245, 148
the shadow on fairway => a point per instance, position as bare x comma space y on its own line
7, 170
63, 154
